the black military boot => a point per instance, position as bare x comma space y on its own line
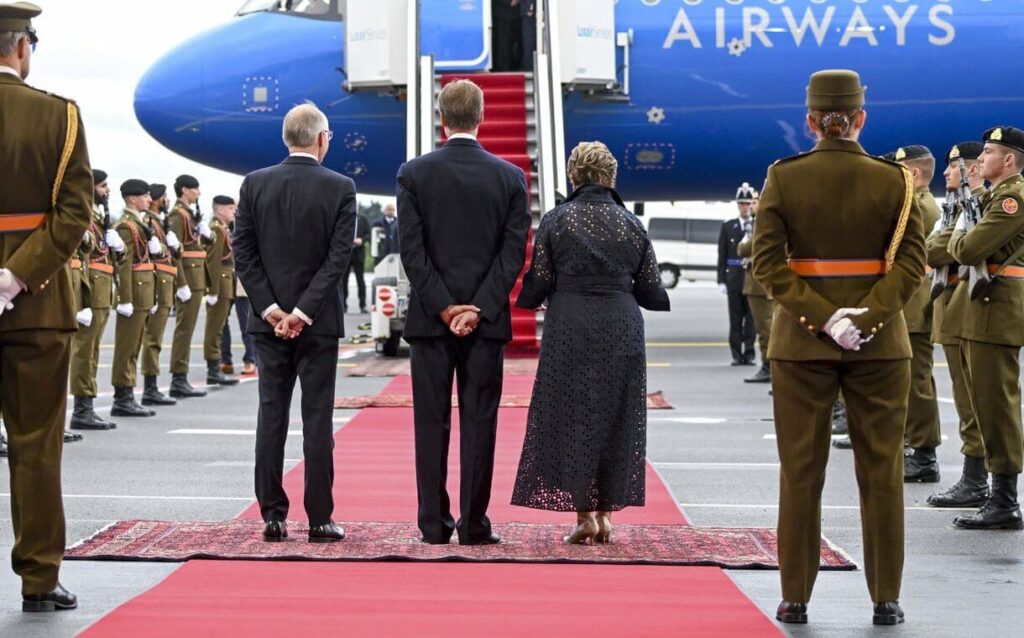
970, 491
83, 417
3, 444
1001, 511
152, 395
764, 375
921, 466
215, 377
839, 425
182, 389
125, 404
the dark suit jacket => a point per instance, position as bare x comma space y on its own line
463, 222
389, 244
293, 238
730, 268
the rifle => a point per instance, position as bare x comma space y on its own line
940, 276
106, 216
978, 277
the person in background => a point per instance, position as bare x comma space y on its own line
760, 304
166, 265
357, 264
528, 19
506, 36
731, 281
220, 266
389, 241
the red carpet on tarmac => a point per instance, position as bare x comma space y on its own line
375, 481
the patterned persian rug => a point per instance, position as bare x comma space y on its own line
735, 548
655, 401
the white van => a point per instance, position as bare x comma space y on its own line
685, 238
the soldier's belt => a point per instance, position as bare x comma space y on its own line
170, 270
142, 268
193, 254
1010, 272
100, 267
75, 263
18, 222
837, 268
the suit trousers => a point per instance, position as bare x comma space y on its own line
85, 353
762, 309
153, 341
993, 373
128, 333
357, 265
313, 360
33, 377
876, 405
477, 366
216, 319
923, 429
741, 325
970, 433
181, 347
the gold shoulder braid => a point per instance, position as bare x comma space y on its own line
901, 223
69, 147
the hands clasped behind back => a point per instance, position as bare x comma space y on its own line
461, 319
843, 331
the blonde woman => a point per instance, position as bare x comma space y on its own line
586, 434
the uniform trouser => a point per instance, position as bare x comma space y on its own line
741, 325
216, 318
85, 353
181, 348
762, 308
923, 428
970, 433
128, 333
153, 340
476, 366
876, 407
993, 381
33, 377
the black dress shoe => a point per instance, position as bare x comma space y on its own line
794, 613
888, 613
55, 600
736, 362
71, 437
843, 443
490, 539
275, 531
326, 533
435, 541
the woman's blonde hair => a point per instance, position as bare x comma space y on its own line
592, 163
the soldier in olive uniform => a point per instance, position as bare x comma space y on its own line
761, 306
136, 296
972, 488
923, 433
105, 245
45, 197
192, 280
993, 326
220, 264
840, 282
166, 270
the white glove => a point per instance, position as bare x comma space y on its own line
114, 241
961, 223
843, 331
154, 309
172, 240
184, 293
154, 247
10, 287
125, 309
723, 289
211, 300
85, 236
204, 230
85, 317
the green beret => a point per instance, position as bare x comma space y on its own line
186, 181
156, 191
17, 16
964, 150
907, 153
835, 90
1006, 136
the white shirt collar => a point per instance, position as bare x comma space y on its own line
463, 136
6, 69
301, 154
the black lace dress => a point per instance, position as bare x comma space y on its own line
586, 435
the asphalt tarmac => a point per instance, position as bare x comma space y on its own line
715, 449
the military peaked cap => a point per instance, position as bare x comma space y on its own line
134, 187
745, 194
1006, 136
156, 191
17, 16
835, 90
964, 150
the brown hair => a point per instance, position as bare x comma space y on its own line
462, 105
834, 124
592, 163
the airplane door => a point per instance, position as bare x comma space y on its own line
587, 43
457, 33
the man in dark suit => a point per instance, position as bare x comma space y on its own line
357, 264
464, 222
293, 238
730, 282
389, 240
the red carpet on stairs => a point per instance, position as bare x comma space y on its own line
375, 481
504, 133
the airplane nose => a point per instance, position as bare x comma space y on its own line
169, 101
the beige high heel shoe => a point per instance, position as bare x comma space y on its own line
586, 529
604, 527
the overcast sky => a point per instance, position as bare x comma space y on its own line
95, 51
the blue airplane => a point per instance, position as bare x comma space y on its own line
716, 88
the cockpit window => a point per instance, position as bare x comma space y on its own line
302, 7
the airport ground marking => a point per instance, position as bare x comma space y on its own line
914, 508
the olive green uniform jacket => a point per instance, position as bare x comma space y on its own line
918, 311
